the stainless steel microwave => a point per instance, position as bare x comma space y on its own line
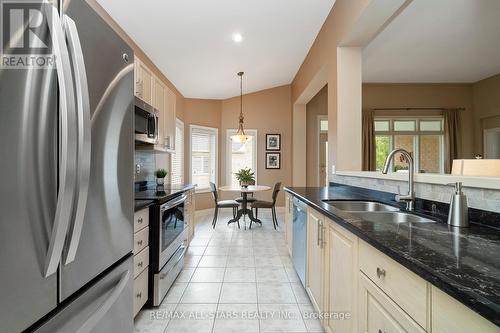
146, 122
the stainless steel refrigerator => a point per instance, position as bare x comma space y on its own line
66, 181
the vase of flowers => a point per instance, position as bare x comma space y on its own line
246, 177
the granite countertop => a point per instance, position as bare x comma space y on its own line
464, 263
141, 204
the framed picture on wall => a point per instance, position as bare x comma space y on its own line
273, 142
273, 160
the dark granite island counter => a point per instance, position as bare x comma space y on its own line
464, 263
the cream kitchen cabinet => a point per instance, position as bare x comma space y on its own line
345, 276
450, 316
169, 119
141, 258
315, 258
341, 276
143, 82
379, 314
159, 103
289, 221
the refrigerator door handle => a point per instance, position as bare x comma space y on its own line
68, 155
96, 317
84, 136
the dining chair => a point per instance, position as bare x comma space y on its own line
222, 204
268, 204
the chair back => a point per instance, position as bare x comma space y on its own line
213, 189
276, 189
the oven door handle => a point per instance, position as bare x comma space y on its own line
173, 203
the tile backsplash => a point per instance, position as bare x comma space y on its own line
144, 166
484, 199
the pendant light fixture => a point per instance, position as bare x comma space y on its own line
240, 135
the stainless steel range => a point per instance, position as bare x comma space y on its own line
167, 239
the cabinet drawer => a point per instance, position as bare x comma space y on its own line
140, 291
141, 239
408, 290
141, 261
141, 219
378, 313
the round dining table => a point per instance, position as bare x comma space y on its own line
245, 210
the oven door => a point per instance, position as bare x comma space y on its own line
172, 228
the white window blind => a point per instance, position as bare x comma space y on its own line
177, 174
203, 156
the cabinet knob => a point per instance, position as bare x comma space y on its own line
139, 295
139, 242
140, 264
139, 220
380, 272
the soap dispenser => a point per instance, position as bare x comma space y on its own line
458, 215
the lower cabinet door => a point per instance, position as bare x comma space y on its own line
140, 291
341, 280
315, 259
379, 314
450, 316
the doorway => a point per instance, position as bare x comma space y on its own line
322, 150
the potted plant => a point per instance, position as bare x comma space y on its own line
160, 176
245, 176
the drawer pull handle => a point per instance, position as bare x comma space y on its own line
380, 272
139, 295
139, 264
139, 242
139, 220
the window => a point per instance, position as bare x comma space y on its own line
177, 160
422, 137
240, 155
203, 157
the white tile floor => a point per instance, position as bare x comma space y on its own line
234, 281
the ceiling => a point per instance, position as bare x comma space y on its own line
437, 41
191, 40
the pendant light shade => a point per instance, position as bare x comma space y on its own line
240, 135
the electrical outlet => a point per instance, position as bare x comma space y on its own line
333, 169
137, 169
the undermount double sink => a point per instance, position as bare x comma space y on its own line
377, 212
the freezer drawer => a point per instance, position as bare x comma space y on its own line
104, 308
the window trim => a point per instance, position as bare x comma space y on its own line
205, 128
180, 123
416, 134
229, 132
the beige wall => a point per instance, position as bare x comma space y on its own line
323, 53
425, 95
486, 99
318, 106
268, 111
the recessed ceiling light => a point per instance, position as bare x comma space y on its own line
237, 38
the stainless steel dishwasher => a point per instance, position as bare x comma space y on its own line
299, 240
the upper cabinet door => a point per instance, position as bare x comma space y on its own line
169, 119
159, 103
143, 82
